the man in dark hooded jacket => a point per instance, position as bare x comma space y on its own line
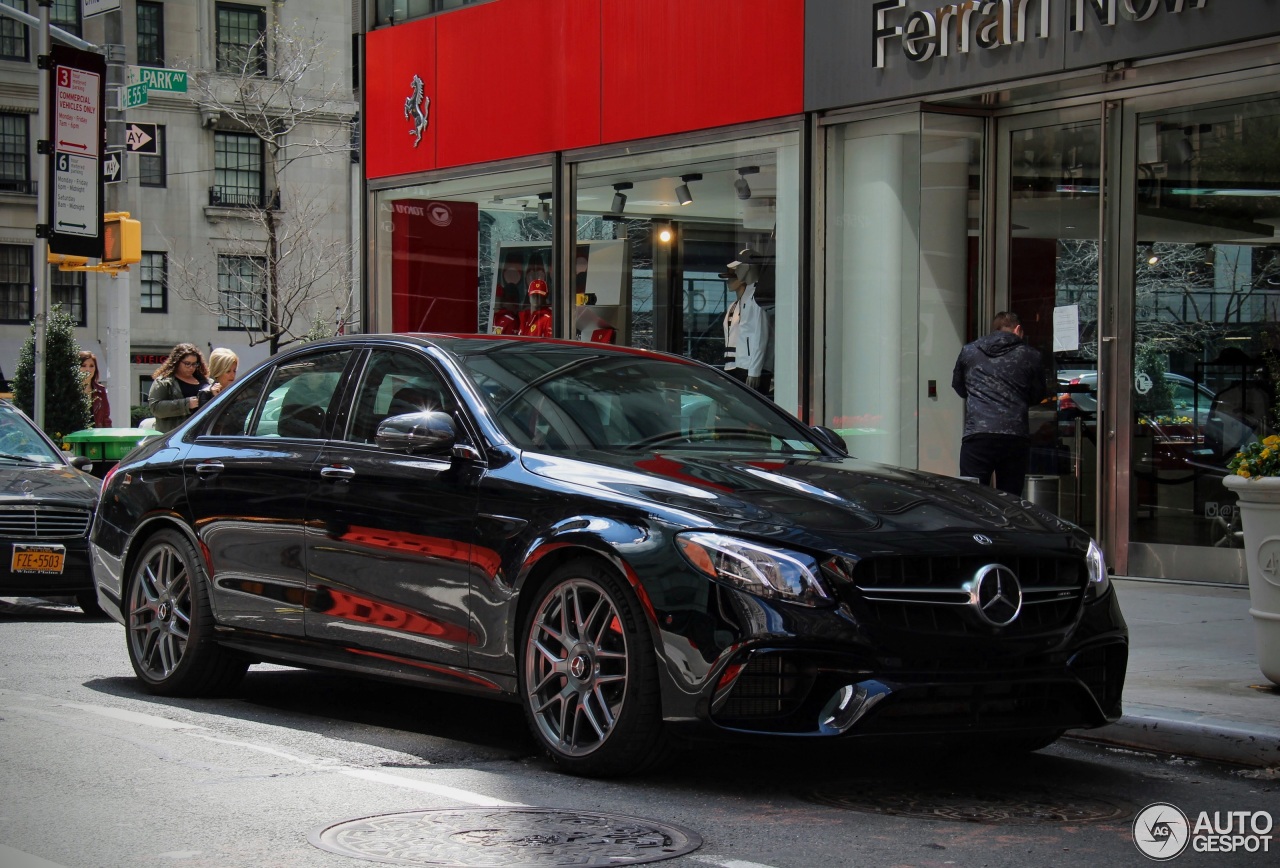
999, 376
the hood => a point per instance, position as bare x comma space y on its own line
821, 502
34, 483
998, 343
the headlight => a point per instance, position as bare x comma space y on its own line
1096, 564
755, 568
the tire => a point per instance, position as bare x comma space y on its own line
88, 603
169, 624
588, 675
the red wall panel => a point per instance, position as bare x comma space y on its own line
677, 65
518, 77
394, 55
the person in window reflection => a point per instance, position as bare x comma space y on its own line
746, 327
175, 390
95, 390
1000, 377
537, 319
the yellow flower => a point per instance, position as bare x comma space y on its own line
1273, 440
1265, 453
1243, 472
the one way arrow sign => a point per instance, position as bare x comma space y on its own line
141, 139
111, 169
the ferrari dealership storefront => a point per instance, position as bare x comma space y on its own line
896, 172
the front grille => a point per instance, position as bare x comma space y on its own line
43, 522
927, 594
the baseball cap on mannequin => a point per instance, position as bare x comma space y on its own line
743, 268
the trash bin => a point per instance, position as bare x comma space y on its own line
105, 446
1043, 492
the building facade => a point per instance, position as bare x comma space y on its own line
900, 171
225, 181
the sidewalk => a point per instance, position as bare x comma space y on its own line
1193, 686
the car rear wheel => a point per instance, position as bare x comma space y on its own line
170, 624
589, 680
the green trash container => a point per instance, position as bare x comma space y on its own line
105, 446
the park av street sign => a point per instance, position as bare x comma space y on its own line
159, 78
141, 80
75, 208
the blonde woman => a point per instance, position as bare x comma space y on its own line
222, 369
176, 388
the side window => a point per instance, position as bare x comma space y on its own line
395, 383
237, 415
299, 396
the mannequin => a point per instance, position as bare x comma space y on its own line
506, 297
746, 327
536, 321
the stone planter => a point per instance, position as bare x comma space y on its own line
1260, 516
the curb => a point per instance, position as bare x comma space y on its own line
1166, 731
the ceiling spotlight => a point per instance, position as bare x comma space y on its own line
741, 185
683, 196
544, 206
665, 235
619, 197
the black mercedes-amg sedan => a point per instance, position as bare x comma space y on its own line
633, 546
46, 510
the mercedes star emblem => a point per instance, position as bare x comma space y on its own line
995, 595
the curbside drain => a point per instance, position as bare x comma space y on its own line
487, 837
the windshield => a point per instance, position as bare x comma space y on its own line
19, 441
554, 399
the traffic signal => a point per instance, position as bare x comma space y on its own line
121, 239
66, 262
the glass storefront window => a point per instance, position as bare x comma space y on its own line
466, 255
656, 231
903, 211
1206, 313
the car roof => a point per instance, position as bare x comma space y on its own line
463, 345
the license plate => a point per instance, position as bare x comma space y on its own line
38, 559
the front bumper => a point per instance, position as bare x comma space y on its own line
791, 691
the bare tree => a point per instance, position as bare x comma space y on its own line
281, 270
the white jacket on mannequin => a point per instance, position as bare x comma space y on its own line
746, 334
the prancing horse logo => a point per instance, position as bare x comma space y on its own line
416, 106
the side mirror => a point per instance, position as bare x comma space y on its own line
427, 432
81, 462
834, 440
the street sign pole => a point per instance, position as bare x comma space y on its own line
115, 291
40, 291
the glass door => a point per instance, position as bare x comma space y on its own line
1048, 262
1203, 264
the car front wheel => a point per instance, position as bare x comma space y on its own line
170, 624
589, 680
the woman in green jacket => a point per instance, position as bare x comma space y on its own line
176, 385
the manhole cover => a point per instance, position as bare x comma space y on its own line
482, 837
1011, 808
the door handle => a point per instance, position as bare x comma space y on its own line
337, 472
208, 468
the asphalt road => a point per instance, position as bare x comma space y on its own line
95, 772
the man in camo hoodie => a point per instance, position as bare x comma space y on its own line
999, 376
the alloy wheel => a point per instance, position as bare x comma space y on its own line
576, 667
159, 611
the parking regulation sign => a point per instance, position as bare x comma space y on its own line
75, 208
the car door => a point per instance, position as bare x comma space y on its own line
249, 476
390, 549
